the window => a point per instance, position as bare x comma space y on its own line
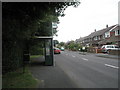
110, 47
95, 38
103, 37
107, 34
117, 32
116, 47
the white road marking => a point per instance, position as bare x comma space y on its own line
111, 66
66, 54
73, 56
85, 59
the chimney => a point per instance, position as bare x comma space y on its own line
95, 30
107, 26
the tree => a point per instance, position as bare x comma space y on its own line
71, 45
29, 18
56, 42
21, 21
62, 43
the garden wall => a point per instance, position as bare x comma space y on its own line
114, 52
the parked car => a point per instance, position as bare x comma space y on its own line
62, 49
57, 51
107, 48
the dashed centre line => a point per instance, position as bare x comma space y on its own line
85, 59
111, 66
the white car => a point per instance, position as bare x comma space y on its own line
62, 48
107, 48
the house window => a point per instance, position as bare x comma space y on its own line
98, 37
117, 32
90, 39
103, 37
107, 34
95, 38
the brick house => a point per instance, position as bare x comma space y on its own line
112, 36
108, 35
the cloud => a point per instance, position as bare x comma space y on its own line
90, 15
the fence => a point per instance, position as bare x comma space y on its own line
114, 52
97, 50
94, 50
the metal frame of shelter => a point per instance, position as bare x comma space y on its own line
48, 45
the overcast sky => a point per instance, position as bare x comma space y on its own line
88, 16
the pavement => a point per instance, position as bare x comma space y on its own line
102, 55
108, 56
49, 76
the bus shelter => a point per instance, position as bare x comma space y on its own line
48, 49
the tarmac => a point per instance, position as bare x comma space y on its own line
53, 76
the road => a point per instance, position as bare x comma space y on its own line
74, 70
88, 71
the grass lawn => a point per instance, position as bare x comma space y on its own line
35, 56
17, 79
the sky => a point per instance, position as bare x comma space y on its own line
88, 16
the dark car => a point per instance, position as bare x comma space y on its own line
57, 51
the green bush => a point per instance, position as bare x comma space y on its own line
37, 49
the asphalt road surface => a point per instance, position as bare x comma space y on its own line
89, 71
74, 70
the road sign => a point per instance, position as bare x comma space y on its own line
54, 25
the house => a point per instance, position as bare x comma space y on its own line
80, 40
108, 35
112, 36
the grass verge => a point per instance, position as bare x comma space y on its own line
35, 56
17, 79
